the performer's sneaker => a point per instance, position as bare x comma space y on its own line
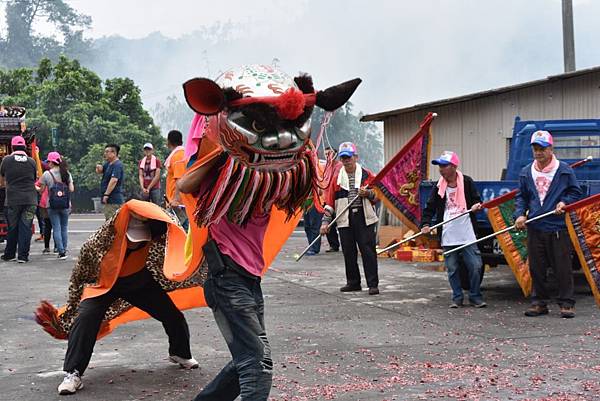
536, 310
567, 312
70, 384
373, 291
184, 363
332, 250
8, 259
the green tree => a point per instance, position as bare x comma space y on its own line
87, 113
22, 48
345, 126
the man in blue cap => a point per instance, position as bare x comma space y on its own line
547, 184
357, 225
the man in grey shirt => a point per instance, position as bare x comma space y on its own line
18, 174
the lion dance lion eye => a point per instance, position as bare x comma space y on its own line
258, 127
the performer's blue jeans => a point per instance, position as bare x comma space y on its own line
471, 258
238, 306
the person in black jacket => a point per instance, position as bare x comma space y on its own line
454, 194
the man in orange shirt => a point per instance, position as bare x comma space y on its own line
175, 165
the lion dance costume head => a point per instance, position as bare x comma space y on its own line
260, 118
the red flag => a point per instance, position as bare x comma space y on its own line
583, 222
397, 184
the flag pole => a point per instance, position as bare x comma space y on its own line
421, 232
483, 206
328, 227
498, 233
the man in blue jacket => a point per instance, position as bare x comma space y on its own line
547, 184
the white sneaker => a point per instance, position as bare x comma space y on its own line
70, 384
184, 363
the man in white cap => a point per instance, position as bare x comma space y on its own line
136, 285
149, 175
455, 193
357, 226
547, 184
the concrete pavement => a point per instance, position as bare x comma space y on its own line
404, 344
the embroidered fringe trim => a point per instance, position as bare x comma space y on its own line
241, 192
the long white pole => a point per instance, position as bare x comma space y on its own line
498, 233
328, 227
421, 233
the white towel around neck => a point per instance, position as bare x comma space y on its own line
344, 182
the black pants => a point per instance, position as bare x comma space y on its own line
332, 237
141, 291
550, 249
365, 237
47, 226
47, 232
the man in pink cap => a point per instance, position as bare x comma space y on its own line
18, 174
455, 193
547, 184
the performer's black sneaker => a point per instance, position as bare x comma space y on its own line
349, 288
374, 291
332, 250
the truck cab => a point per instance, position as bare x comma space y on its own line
574, 140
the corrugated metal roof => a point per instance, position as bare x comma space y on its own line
385, 114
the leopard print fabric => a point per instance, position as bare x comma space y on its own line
87, 271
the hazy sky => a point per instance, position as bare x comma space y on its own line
407, 52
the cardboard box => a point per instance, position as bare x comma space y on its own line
404, 256
390, 234
424, 255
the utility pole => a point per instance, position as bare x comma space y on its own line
568, 36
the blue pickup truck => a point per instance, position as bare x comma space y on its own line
574, 140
